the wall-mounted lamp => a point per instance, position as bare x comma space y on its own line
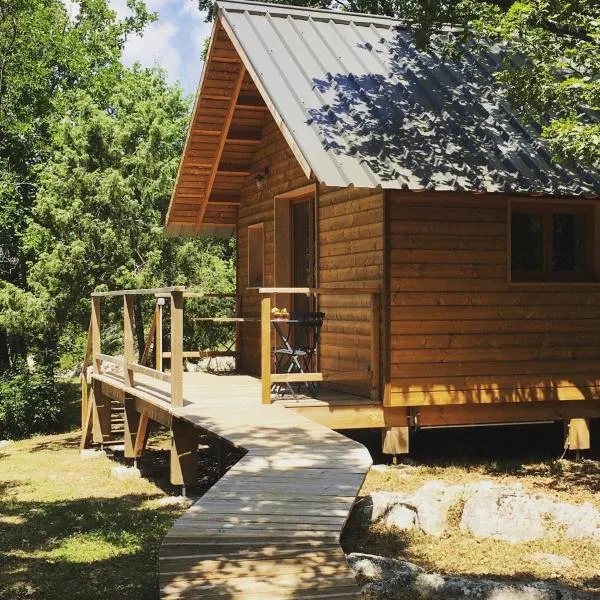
261, 178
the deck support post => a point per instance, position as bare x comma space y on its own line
395, 440
177, 348
184, 452
577, 435
141, 436
102, 411
131, 419
128, 345
265, 348
375, 358
95, 331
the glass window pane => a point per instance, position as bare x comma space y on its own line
569, 243
527, 242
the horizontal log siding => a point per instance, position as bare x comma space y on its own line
460, 333
257, 206
350, 248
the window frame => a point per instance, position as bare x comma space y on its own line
256, 262
547, 210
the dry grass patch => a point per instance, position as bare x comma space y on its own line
457, 553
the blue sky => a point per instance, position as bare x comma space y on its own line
174, 42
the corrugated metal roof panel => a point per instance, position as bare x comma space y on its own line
366, 108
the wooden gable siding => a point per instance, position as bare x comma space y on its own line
257, 206
460, 332
350, 254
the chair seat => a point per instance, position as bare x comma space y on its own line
293, 352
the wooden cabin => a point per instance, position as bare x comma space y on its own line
456, 261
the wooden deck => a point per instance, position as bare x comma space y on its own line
270, 527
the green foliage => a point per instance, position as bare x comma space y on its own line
29, 402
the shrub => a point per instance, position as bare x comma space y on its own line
29, 402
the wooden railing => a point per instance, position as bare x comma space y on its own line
175, 296
268, 378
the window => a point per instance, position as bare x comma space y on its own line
552, 242
256, 254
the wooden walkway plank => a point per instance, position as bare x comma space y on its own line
270, 527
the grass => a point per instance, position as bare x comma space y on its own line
68, 529
457, 553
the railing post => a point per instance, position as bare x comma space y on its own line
265, 348
375, 359
128, 344
177, 348
158, 336
95, 326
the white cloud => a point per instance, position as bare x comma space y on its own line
156, 46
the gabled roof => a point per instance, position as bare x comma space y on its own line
360, 105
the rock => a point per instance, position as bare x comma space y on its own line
369, 567
503, 513
388, 579
380, 468
5, 443
125, 472
377, 505
401, 516
174, 501
432, 503
578, 521
552, 560
91, 453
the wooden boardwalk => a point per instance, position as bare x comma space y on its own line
270, 528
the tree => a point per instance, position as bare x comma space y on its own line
555, 43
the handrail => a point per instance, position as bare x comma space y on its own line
322, 291
141, 292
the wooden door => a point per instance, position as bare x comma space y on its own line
302, 267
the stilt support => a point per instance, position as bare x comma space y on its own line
101, 416
132, 422
184, 453
141, 438
395, 440
577, 434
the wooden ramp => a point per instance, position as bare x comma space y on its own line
270, 528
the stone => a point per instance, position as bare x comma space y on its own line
389, 579
380, 468
6, 443
552, 560
174, 501
122, 472
370, 567
91, 453
503, 513
432, 503
375, 506
401, 516
579, 522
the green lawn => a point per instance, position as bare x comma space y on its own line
70, 530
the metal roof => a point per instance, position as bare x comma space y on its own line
366, 108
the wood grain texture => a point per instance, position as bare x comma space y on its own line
461, 332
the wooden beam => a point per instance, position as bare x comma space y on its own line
141, 436
131, 421
395, 440
375, 347
220, 146
128, 344
150, 337
184, 452
101, 415
95, 324
265, 349
177, 348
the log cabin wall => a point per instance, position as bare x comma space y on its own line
257, 206
350, 254
460, 331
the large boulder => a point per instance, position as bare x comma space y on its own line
388, 579
503, 513
427, 508
576, 521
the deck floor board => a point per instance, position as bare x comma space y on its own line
270, 527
